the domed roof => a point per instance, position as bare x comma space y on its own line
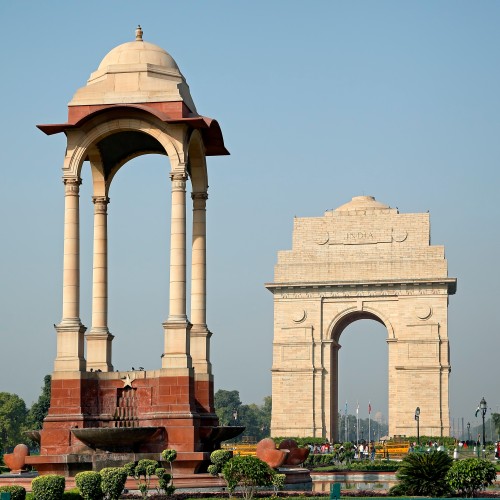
138, 52
135, 72
362, 203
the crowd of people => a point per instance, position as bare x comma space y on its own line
362, 451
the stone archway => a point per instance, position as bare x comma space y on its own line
362, 260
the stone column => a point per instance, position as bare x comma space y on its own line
70, 345
99, 339
200, 335
177, 327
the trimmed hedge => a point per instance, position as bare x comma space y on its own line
375, 466
16, 492
113, 481
89, 485
49, 487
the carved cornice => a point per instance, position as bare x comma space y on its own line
443, 286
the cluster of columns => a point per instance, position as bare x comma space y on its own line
186, 344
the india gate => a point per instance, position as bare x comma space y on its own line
363, 260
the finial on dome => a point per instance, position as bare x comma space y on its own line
138, 33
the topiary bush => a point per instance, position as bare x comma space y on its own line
423, 474
16, 492
471, 475
89, 485
164, 481
219, 458
169, 455
112, 482
143, 472
248, 473
49, 487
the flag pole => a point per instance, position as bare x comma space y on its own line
357, 424
369, 423
345, 422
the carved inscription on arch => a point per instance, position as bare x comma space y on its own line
361, 237
360, 293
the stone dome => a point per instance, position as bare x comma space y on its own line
362, 203
138, 52
135, 72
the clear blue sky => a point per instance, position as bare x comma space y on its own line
318, 101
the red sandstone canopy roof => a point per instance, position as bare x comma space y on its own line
144, 77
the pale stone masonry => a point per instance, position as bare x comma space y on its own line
363, 260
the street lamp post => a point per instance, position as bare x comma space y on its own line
417, 418
468, 431
483, 406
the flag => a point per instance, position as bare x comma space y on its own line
478, 410
357, 409
369, 407
346, 407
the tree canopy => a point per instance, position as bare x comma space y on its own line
15, 418
255, 418
12, 418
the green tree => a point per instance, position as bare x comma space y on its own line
471, 475
496, 423
255, 418
423, 474
248, 473
39, 410
12, 420
226, 402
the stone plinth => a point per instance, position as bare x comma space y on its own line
133, 415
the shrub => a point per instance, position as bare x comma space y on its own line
49, 487
169, 455
73, 494
16, 492
113, 481
366, 465
471, 475
423, 474
142, 473
89, 484
219, 458
247, 472
164, 481
278, 482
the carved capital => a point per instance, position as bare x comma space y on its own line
100, 204
199, 200
72, 187
178, 181
199, 196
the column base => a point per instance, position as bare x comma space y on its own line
176, 352
70, 346
99, 343
200, 349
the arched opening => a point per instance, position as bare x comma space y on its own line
363, 381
